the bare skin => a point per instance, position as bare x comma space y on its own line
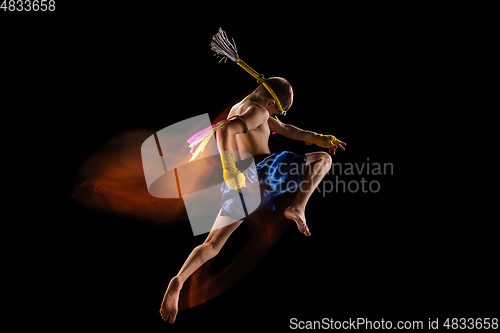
257, 110
222, 229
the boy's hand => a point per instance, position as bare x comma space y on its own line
233, 177
335, 146
325, 141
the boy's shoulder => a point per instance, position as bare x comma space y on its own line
247, 106
256, 107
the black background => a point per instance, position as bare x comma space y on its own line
369, 76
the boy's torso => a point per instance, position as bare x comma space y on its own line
254, 141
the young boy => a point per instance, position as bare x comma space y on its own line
248, 131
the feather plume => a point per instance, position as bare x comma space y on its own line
223, 48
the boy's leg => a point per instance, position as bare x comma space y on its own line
318, 165
222, 229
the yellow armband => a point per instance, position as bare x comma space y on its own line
325, 141
232, 176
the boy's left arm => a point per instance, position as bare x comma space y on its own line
292, 132
287, 130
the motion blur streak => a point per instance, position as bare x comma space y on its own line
113, 180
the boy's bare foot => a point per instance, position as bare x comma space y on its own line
296, 214
169, 306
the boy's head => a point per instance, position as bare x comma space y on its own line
281, 88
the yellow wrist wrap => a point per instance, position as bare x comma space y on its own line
325, 141
233, 177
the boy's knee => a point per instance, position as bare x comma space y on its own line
326, 158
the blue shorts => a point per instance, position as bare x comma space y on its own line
276, 174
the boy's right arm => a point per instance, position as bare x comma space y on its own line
253, 117
250, 119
